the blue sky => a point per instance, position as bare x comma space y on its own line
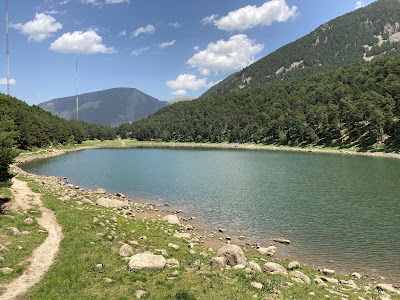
165, 48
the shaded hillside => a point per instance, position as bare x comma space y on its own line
357, 105
109, 107
34, 127
367, 33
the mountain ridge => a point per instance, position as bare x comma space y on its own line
367, 33
110, 107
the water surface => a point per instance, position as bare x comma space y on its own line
339, 211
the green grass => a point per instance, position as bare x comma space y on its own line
87, 244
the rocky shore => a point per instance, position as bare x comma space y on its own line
229, 254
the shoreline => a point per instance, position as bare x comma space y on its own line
127, 144
214, 239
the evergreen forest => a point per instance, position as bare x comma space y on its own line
356, 105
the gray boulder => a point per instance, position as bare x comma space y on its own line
267, 251
274, 268
172, 219
293, 265
146, 261
234, 255
300, 275
126, 250
182, 235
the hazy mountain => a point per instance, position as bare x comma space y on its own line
179, 99
367, 33
109, 107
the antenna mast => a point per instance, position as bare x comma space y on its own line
77, 98
8, 54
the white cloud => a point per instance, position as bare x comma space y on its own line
251, 15
179, 92
79, 42
116, 1
122, 33
235, 53
187, 82
149, 29
138, 51
175, 25
40, 28
196, 48
167, 44
3, 81
359, 4
55, 12
209, 19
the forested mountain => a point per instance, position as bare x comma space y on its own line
367, 33
109, 107
35, 127
357, 105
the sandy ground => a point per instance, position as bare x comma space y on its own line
43, 256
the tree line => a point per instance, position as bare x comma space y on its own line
26, 127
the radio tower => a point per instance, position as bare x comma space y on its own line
8, 54
77, 98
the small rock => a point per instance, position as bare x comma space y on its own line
108, 280
274, 268
3, 248
100, 191
328, 279
87, 201
239, 267
356, 275
14, 231
282, 241
28, 221
172, 219
126, 250
241, 237
182, 235
293, 265
255, 266
300, 275
6, 271
2, 259
106, 202
218, 261
173, 246
191, 251
173, 262
311, 293
204, 254
328, 272
140, 293
222, 230
95, 220
99, 266
175, 273
268, 251
386, 287
133, 242
257, 285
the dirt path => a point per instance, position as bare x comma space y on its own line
43, 256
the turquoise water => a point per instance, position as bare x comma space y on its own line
339, 211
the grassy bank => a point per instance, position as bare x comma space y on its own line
89, 265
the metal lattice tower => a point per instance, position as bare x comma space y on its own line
8, 53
